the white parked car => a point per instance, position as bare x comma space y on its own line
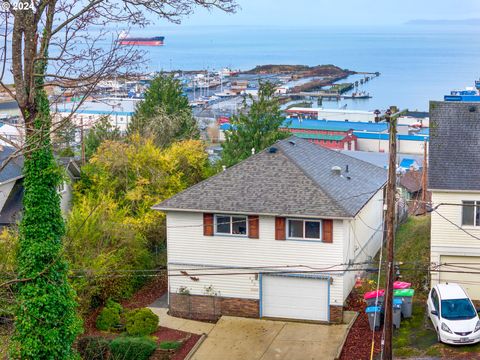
453, 315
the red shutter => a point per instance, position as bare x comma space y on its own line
208, 224
253, 226
327, 231
279, 228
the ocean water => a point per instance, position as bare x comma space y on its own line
417, 63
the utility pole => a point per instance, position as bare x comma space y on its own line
424, 178
390, 224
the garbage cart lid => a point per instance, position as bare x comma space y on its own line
397, 301
403, 292
373, 309
401, 285
373, 294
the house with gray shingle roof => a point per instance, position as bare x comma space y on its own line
11, 185
282, 234
454, 180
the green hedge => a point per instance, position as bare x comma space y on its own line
132, 348
141, 322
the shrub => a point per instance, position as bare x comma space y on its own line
109, 316
131, 348
93, 348
141, 322
170, 345
114, 306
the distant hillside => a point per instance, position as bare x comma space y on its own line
475, 22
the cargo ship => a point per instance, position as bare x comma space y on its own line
124, 39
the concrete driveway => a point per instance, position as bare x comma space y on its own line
235, 338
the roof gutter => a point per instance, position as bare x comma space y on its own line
166, 209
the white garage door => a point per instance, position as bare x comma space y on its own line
293, 297
470, 282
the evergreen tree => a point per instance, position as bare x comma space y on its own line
101, 131
257, 129
164, 114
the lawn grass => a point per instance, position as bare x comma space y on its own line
412, 249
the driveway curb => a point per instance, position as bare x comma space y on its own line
194, 349
350, 324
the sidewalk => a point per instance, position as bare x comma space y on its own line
191, 326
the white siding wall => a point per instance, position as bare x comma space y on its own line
446, 238
363, 237
410, 147
404, 146
188, 248
372, 145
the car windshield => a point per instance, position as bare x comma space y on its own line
457, 309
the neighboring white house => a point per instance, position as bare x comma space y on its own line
118, 110
12, 190
332, 114
282, 234
454, 179
378, 142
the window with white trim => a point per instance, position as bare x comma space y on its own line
299, 229
231, 225
470, 213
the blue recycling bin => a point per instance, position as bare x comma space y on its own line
397, 313
375, 317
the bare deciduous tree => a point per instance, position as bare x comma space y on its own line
71, 45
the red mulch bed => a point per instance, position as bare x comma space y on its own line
359, 340
148, 293
166, 334
145, 296
185, 349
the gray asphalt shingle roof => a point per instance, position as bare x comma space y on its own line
297, 179
454, 144
14, 167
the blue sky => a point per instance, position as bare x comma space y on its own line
332, 12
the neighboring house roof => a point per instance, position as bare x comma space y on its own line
455, 140
13, 170
333, 125
412, 181
320, 136
381, 159
13, 207
292, 177
71, 165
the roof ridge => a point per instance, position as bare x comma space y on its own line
311, 178
214, 176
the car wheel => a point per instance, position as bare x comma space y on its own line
439, 339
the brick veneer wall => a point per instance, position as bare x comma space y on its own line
336, 314
202, 307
